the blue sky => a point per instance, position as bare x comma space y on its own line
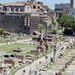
50, 3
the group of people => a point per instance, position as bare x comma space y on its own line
43, 46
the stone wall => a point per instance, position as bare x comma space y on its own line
16, 23
13, 23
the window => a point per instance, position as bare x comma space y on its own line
5, 8
17, 9
34, 7
28, 21
25, 21
21, 9
12, 9
0, 8
28, 7
38, 7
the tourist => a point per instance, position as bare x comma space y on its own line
30, 72
35, 73
39, 74
24, 71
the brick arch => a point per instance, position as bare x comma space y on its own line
34, 7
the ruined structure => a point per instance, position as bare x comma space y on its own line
24, 17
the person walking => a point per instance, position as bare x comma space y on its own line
35, 73
24, 71
30, 72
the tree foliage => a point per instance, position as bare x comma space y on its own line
67, 21
41, 28
1, 31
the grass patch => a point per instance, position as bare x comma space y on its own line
15, 46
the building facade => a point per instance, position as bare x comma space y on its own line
24, 17
64, 8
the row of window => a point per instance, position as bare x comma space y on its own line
36, 7
4, 8
13, 9
27, 21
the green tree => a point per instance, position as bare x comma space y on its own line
1, 31
67, 21
41, 28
